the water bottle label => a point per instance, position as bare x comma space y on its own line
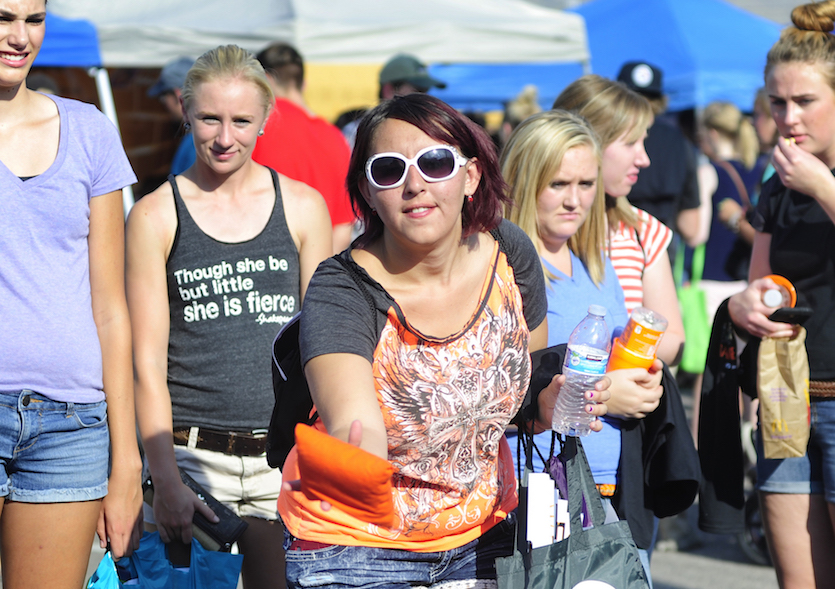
588, 360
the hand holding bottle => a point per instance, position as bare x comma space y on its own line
586, 357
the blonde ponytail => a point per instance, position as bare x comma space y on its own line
726, 119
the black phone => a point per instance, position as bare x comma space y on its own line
213, 536
794, 315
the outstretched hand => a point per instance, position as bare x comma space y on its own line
354, 438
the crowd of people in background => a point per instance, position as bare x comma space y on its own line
425, 256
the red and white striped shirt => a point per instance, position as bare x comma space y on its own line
630, 257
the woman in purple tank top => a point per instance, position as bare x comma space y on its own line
69, 460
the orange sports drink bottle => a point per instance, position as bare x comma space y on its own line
636, 346
784, 295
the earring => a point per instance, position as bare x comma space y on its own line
261, 132
187, 126
469, 198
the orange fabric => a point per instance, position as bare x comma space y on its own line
607, 490
305, 519
351, 479
445, 404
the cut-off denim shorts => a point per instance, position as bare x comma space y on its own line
338, 567
50, 451
813, 473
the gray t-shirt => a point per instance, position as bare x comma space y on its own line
337, 318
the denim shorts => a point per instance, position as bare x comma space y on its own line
337, 567
51, 451
813, 473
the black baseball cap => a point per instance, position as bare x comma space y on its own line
642, 77
407, 68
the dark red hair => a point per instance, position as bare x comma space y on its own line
446, 125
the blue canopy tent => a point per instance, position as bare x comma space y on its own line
74, 43
69, 43
485, 87
708, 49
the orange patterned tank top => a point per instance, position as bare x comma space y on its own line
445, 403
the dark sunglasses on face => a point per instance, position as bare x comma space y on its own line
435, 164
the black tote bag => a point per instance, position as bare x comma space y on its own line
603, 553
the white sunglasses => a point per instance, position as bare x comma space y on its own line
435, 164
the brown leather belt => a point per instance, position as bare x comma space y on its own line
822, 389
232, 443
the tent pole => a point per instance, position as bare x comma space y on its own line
108, 107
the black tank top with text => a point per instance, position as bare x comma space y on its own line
227, 302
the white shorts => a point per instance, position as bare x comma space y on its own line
245, 484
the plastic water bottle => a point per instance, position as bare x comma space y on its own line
586, 358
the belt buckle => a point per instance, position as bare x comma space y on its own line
230, 443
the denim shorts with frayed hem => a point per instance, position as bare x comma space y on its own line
52, 451
813, 473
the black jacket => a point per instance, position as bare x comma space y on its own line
722, 498
659, 472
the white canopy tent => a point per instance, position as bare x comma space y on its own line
151, 32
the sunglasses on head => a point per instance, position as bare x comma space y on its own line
436, 164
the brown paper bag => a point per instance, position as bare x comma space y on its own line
783, 390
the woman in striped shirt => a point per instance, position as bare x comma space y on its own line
637, 241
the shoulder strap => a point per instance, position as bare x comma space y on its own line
737, 180
643, 251
180, 213
293, 403
357, 278
279, 203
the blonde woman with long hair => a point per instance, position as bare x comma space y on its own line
637, 241
552, 164
729, 182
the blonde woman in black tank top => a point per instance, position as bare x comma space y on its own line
204, 252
